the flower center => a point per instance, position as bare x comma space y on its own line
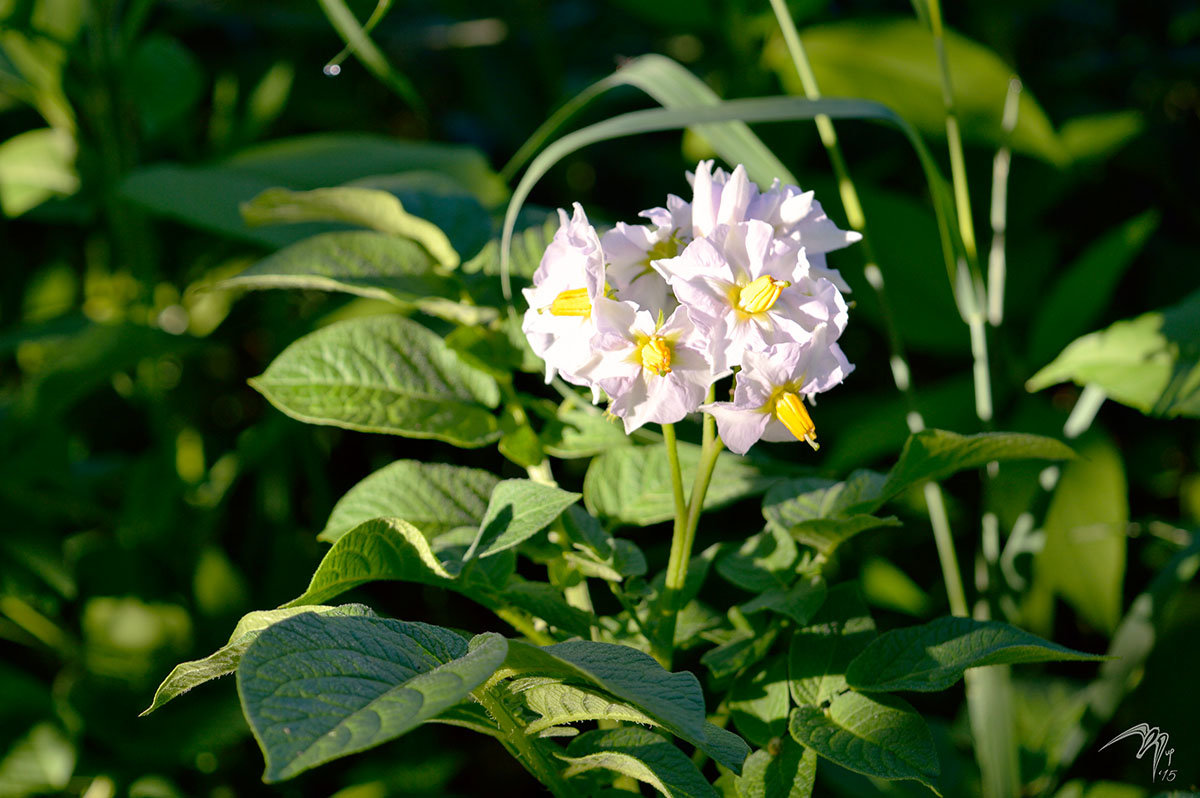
790, 409
656, 355
572, 302
760, 295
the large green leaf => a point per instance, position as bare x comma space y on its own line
224, 660
435, 497
813, 510
821, 651
557, 704
641, 754
383, 374
361, 207
372, 265
383, 549
316, 688
763, 562
758, 702
674, 700
517, 510
935, 454
894, 61
330, 159
1083, 556
633, 485
935, 655
1084, 290
798, 602
34, 166
879, 736
790, 773
1151, 363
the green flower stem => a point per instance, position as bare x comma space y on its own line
521, 745
676, 474
682, 542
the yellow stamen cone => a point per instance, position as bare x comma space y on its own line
761, 294
790, 409
656, 356
573, 302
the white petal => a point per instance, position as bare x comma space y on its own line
739, 429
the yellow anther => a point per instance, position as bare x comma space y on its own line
656, 356
790, 409
761, 294
573, 302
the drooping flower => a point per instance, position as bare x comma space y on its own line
654, 370
747, 290
569, 280
768, 401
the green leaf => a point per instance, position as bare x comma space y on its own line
546, 602
434, 497
744, 649
331, 159
859, 58
383, 374
387, 549
40, 762
878, 736
359, 42
1095, 136
935, 655
35, 166
224, 660
365, 264
820, 652
640, 754
633, 485
763, 562
674, 700
758, 703
164, 81
798, 602
1083, 556
789, 774
575, 432
518, 510
935, 454
557, 704
1085, 289
813, 510
362, 207
441, 200
1151, 363
315, 688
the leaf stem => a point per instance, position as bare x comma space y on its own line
520, 744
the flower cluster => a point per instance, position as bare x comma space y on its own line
654, 314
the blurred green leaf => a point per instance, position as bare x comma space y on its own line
434, 497
126, 637
878, 736
363, 207
364, 49
268, 99
1085, 289
31, 69
224, 660
885, 585
389, 677
893, 61
383, 374
1083, 557
164, 81
633, 485
1096, 136
640, 754
517, 510
35, 166
577, 432
790, 773
42, 761
935, 656
1151, 363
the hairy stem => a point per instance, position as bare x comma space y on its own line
520, 744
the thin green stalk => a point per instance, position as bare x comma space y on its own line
997, 263
676, 474
520, 744
524, 625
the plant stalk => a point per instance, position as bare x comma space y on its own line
520, 745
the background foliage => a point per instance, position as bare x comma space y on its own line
151, 498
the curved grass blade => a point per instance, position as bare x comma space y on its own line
760, 109
334, 65
346, 24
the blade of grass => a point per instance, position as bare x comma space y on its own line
346, 24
